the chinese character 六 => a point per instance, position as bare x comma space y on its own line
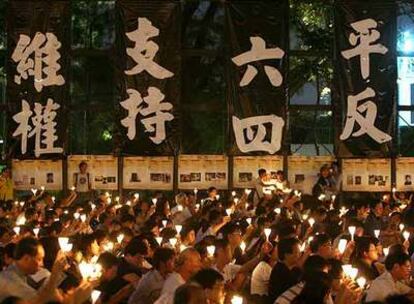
154, 123
365, 122
259, 52
45, 62
144, 51
363, 44
44, 127
248, 140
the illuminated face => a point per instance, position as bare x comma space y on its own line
372, 253
402, 272
32, 264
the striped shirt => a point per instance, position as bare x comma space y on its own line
289, 295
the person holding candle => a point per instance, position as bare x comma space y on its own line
375, 219
212, 282
285, 273
366, 258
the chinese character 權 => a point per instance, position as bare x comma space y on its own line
256, 141
259, 52
44, 127
144, 51
363, 44
365, 122
152, 123
44, 49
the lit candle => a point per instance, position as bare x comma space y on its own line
305, 216
107, 194
401, 226
333, 198
64, 244
117, 199
178, 228
217, 197
352, 230
322, 197
182, 247
247, 191
180, 208
154, 200
249, 220
42, 188
210, 250
108, 246
377, 233
236, 300
136, 195
361, 281
173, 241
36, 231
243, 246
267, 232
386, 251
164, 223
93, 206
95, 295
159, 240
342, 245
277, 210
394, 190
228, 211
83, 218
21, 204
34, 191
128, 203
73, 188
236, 200
195, 191
353, 272
53, 199
16, 230
120, 238
21, 220
233, 193
406, 235
311, 221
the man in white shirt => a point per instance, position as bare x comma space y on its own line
398, 268
187, 264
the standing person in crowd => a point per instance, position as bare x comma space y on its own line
6, 185
82, 182
325, 183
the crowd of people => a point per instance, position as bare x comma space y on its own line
269, 244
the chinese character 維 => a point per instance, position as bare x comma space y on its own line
144, 51
154, 123
366, 123
259, 52
366, 35
256, 141
45, 52
44, 127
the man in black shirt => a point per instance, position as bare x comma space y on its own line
285, 273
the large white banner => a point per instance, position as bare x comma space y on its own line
202, 171
371, 175
28, 174
153, 173
246, 167
304, 171
102, 169
405, 174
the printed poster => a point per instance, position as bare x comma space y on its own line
34, 174
405, 171
102, 169
154, 173
202, 171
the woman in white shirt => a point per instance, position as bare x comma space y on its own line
261, 274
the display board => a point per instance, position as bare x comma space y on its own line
246, 167
29, 174
405, 171
202, 171
153, 173
102, 169
371, 175
304, 170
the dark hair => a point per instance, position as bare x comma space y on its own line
207, 278
335, 271
396, 258
261, 171
211, 189
11, 300
25, 246
362, 245
3, 231
220, 244
315, 289
107, 260
312, 265
162, 255
186, 230
318, 241
137, 246
285, 247
82, 163
52, 246
9, 250
396, 248
187, 293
